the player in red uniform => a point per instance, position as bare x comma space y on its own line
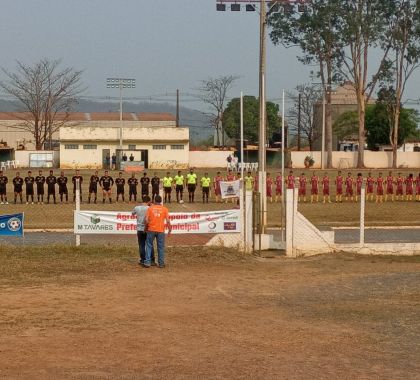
359, 185
418, 188
400, 187
314, 188
326, 188
409, 182
370, 182
339, 187
217, 190
379, 189
290, 181
389, 187
302, 187
279, 187
349, 187
269, 187
230, 177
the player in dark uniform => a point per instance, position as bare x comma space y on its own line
106, 183
40, 180
76, 177
62, 187
120, 183
132, 187
18, 186
29, 182
93, 186
51, 181
144, 182
3, 183
155, 181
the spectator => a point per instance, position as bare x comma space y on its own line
124, 157
140, 212
107, 161
156, 217
114, 161
229, 159
131, 157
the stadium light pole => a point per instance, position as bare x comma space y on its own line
121, 83
250, 6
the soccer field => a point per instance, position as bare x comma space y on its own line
86, 313
60, 216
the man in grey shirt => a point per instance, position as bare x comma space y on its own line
140, 212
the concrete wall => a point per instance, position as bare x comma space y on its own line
208, 159
373, 160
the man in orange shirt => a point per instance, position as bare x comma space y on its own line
156, 217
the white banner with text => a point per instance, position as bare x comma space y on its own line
111, 222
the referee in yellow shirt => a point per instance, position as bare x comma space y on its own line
179, 186
191, 184
167, 186
205, 187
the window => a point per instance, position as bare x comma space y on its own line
159, 147
71, 146
179, 147
41, 160
90, 146
131, 147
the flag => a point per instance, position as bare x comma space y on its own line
230, 189
11, 225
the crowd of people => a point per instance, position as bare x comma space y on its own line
379, 189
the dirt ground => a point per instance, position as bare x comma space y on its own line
93, 313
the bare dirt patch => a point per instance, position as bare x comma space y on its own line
94, 313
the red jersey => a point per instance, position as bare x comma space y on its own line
290, 182
359, 184
409, 181
389, 182
269, 182
339, 182
302, 182
230, 177
349, 182
418, 185
217, 181
380, 185
269, 186
400, 182
314, 182
279, 182
326, 185
370, 182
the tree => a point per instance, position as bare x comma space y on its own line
213, 91
315, 32
309, 97
404, 33
231, 118
362, 26
44, 93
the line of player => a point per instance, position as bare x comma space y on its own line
378, 189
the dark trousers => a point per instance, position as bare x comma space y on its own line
141, 238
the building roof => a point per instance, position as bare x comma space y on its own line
95, 116
346, 94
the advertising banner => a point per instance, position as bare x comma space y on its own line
230, 189
109, 222
11, 225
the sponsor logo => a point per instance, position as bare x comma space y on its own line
95, 219
230, 190
14, 224
212, 226
229, 226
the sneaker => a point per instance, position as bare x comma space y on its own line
145, 266
154, 264
32, 202
161, 266
7, 203
2, 203
27, 202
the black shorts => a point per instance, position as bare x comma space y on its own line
191, 188
167, 190
155, 190
120, 190
63, 190
93, 189
3, 190
179, 188
145, 191
206, 190
51, 190
40, 190
74, 191
29, 191
132, 190
18, 190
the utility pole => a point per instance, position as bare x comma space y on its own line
299, 123
177, 108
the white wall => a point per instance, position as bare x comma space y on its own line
373, 160
208, 159
23, 157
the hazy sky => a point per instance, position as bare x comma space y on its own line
164, 44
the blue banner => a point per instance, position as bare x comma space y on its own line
11, 225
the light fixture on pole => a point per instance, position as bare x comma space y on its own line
120, 83
265, 11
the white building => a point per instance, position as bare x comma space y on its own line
152, 138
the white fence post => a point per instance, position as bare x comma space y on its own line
77, 207
362, 216
289, 221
